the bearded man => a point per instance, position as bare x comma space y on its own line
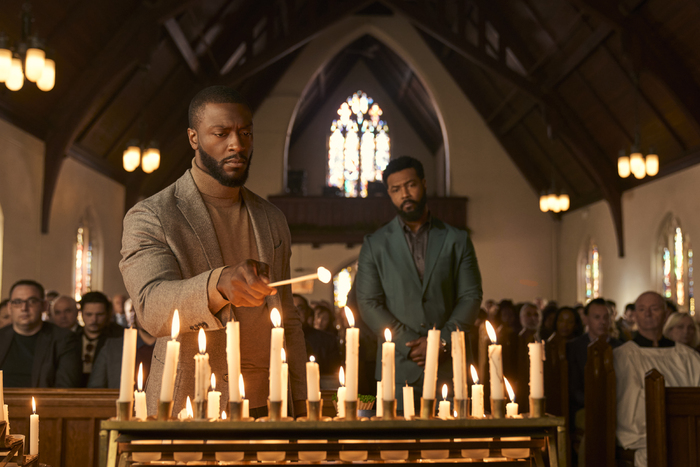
416, 273
208, 247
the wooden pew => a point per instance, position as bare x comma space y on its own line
673, 418
556, 383
69, 422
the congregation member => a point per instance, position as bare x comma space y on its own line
682, 328
625, 324
516, 361
567, 324
678, 363
64, 313
547, 320
118, 310
207, 246
5, 319
324, 346
414, 274
35, 353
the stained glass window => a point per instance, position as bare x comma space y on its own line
676, 265
592, 272
358, 147
83, 262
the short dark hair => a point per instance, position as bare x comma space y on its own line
402, 163
4, 303
629, 306
29, 283
212, 95
595, 301
96, 297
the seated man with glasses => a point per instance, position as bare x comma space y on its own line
34, 353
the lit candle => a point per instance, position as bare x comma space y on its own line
126, 384
187, 413
495, 364
431, 364
140, 397
352, 352
477, 395
536, 351
459, 380
172, 355
285, 381
246, 402
512, 407
223, 415
202, 370
388, 370
233, 358
276, 356
409, 409
380, 406
341, 393
34, 431
313, 379
213, 400
444, 407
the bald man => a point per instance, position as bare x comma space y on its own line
64, 313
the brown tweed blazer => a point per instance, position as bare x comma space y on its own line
169, 250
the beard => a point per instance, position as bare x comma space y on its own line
216, 169
418, 209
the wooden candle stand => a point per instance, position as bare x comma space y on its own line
12, 449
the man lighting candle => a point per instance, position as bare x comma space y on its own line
414, 273
209, 247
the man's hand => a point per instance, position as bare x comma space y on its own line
245, 284
418, 350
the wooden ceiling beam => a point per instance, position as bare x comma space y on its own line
182, 44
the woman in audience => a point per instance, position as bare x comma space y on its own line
549, 313
681, 327
568, 323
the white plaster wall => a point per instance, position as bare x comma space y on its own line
513, 240
644, 210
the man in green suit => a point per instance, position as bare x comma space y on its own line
416, 273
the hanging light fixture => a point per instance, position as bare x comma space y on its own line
636, 164
29, 51
132, 158
553, 202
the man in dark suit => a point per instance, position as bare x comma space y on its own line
415, 273
34, 353
64, 313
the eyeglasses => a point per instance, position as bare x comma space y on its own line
31, 301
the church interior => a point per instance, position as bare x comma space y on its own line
512, 106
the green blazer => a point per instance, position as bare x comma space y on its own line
390, 293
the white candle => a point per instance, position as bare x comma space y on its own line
233, 359
202, 369
536, 351
388, 369
276, 356
246, 403
431, 364
512, 406
352, 352
140, 397
444, 407
459, 381
285, 382
5, 411
126, 384
34, 431
495, 364
172, 355
313, 380
213, 401
477, 395
380, 406
409, 409
3, 417
341, 393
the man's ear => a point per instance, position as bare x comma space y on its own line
193, 137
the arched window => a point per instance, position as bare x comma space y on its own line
358, 147
83, 266
592, 271
676, 259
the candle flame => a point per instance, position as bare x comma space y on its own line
349, 316
241, 386
455, 413
341, 376
324, 275
175, 329
139, 379
276, 318
312, 358
387, 335
444, 391
33, 405
190, 412
491, 332
213, 382
284, 355
223, 415
511, 394
475, 376
202, 339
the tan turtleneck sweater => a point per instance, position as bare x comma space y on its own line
236, 238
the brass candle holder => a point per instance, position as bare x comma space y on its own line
313, 410
389, 409
274, 410
462, 408
165, 410
124, 410
427, 408
498, 408
537, 407
200, 410
235, 411
351, 410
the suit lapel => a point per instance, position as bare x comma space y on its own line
436, 238
5, 342
41, 353
190, 203
399, 249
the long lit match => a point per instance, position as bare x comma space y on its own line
323, 274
